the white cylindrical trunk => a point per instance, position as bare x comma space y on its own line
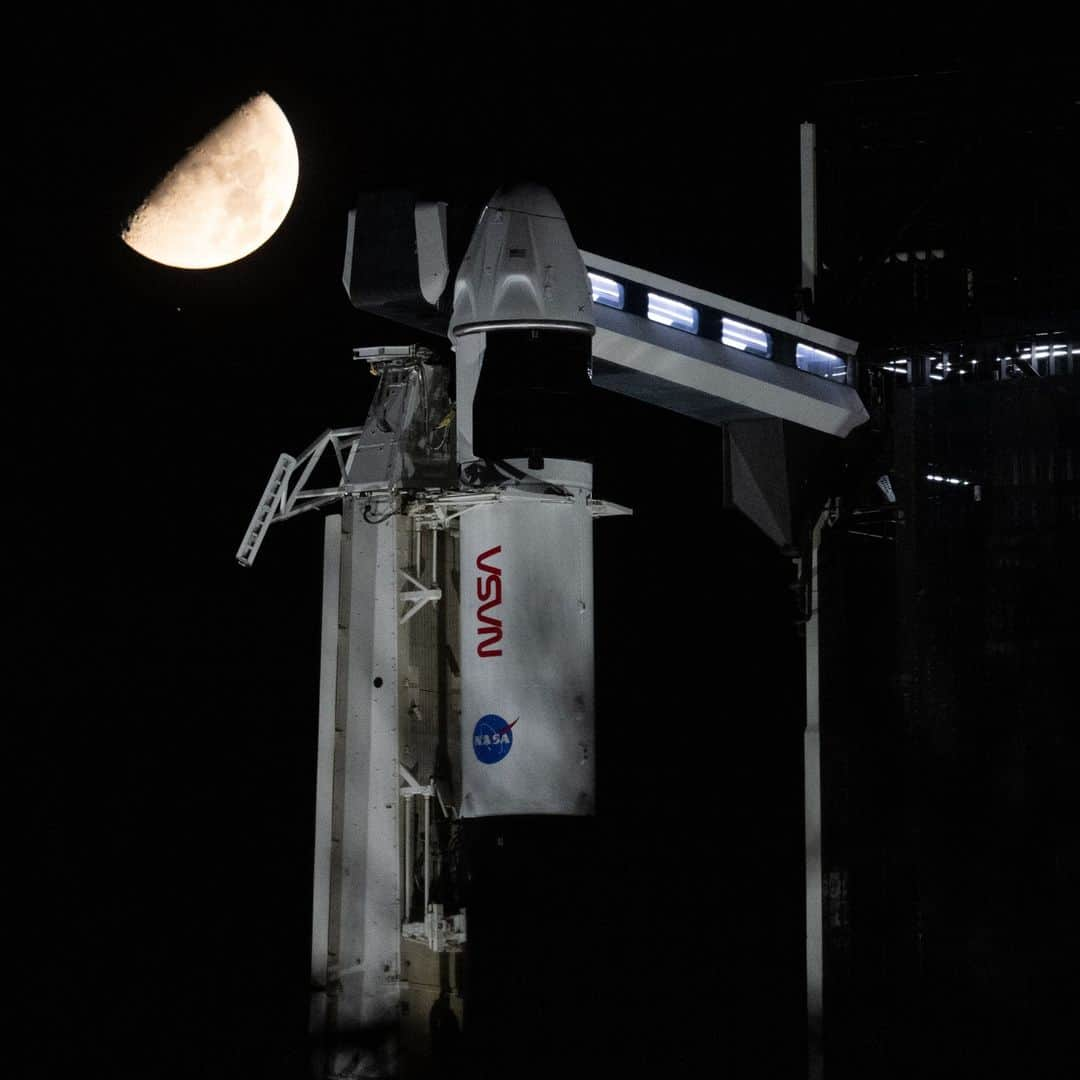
527, 723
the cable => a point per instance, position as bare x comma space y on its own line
376, 521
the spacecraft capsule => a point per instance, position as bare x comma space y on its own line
522, 269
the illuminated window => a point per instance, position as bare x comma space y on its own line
746, 338
819, 362
663, 309
956, 481
607, 292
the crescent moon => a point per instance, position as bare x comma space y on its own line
226, 196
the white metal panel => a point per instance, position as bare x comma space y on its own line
324, 771
527, 723
356, 931
370, 927
432, 256
469, 352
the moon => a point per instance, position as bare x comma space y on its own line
226, 196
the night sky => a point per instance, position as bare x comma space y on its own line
166, 699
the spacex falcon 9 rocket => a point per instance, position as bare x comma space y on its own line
499, 464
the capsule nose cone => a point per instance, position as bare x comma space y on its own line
527, 199
521, 269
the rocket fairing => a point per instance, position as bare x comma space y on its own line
522, 327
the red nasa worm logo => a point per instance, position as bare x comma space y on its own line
489, 593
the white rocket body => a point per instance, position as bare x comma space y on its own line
527, 723
527, 658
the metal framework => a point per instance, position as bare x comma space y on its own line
716, 378
436, 932
286, 496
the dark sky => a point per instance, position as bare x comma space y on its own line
165, 702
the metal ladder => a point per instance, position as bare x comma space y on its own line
264, 512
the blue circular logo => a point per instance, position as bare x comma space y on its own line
492, 738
